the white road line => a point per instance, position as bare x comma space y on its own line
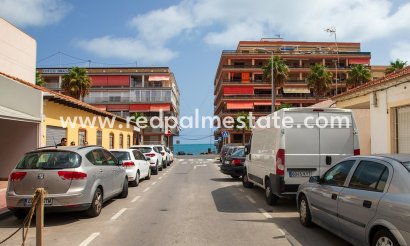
160, 178
154, 183
251, 199
146, 189
135, 199
117, 215
282, 232
89, 239
241, 190
210, 159
290, 238
199, 166
266, 214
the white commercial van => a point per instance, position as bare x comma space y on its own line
281, 157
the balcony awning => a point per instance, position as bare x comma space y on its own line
359, 61
158, 107
239, 105
118, 80
296, 90
99, 80
100, 106
118, 107
238, 90
158, 78
139, 107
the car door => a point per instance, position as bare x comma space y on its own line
324, 196
140, 163
103, 171
144, 163
117, 171
359, 201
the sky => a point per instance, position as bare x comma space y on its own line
189, 35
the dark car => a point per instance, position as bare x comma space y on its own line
234, 164
230, 151
224, 150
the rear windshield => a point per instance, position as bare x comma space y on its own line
144, 149
239, 153
407, 165
121, 155
49, 160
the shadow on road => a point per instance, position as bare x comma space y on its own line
229, 180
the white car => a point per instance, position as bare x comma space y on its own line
165, 155
135, 163
171, 155
154, 154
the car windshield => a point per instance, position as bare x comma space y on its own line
49, 160
144, 149
121, 155
239, 153
407, 165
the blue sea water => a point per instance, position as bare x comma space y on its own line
194, 149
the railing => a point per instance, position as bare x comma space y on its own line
296, 52
239, 81
97, 100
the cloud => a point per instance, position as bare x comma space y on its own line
400, 50
34, 12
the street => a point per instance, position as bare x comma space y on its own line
189, 203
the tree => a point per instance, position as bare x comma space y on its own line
396, 66
76, 83
319, 79
40, 80
280, 74
359, 74
241, 123
285, 105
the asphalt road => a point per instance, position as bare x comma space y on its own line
189, 203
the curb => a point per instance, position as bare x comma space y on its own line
4, 213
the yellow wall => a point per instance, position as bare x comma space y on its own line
53, 111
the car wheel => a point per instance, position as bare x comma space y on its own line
20, 214
96, 205
161, 167
149, 174
235, 176
164, 164
156, 169
271, 198
168, 163
384, 238
136, 181
304, 212
124, 192
245, 181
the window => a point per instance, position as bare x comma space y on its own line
337, 175
82, 137
111, 144
407, 165
95, 157
370, 176
128, 141
99, 137
138, 155
121, 155
121, 141
109, 159
50, 160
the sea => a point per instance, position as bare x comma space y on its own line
194, 149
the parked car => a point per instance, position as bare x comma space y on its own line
181, 153
76, 179
280, 159
136, 165
363, 199
234, 164
224, 150
230, 151
165, 156
154, 154
171, 155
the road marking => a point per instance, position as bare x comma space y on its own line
160, 178
135, 199
290, 238
146, 189
154, 183
266, 214
118, 214
241, 190
89, 239
199, 166
210, 159
251, 199
282, 232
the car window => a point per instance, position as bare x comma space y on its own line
239, 153
121, 155
96, 157
109, 159
49, 160
138, 155
144, 149
407, 165
337, 175
156, 149
370, 175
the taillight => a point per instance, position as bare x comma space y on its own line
17, 176
72, 175
128, 164
150, 154
356, 152
236, 162
280, 162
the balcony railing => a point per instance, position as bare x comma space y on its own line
97, 100
239, 81
295, 52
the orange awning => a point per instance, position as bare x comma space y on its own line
359, 61
239, 105
238, 90
139, 107
158, 78
158, 107
119, 107
245, 77
100, 106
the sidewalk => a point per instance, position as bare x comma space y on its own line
3, 209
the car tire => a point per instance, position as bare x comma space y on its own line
96, 204
305, 216
124, 192
384, 237
136, 181
235, 176
161, 167
168, 163
156, 169
245, 181
149, 174
20, 214
271, 198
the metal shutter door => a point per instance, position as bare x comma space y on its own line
54, 135
403, 130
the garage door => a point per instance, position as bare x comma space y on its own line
403, 130
54, 135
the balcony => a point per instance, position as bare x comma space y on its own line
132, 96
293, 52
239, 81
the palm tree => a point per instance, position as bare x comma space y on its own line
280, 74
396, 66
40, 80
359, 74
76, 83
319, 79
241, 123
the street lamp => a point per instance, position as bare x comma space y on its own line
332, 30
271, 77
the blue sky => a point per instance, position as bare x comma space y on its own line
188, 35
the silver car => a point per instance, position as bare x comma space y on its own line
363, 199
76, 179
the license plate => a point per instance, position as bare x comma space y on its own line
226, 162
47, 201
300, 173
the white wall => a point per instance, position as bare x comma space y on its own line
17, 52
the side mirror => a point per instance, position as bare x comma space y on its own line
314, 179
247, 149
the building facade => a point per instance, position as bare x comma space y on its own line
240, 85
124, 91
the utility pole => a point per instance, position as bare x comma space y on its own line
332, 30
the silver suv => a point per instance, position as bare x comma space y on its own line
76, 179
363, 199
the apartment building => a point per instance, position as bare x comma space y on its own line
240, 85
126, 90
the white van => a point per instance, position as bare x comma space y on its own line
281, 158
